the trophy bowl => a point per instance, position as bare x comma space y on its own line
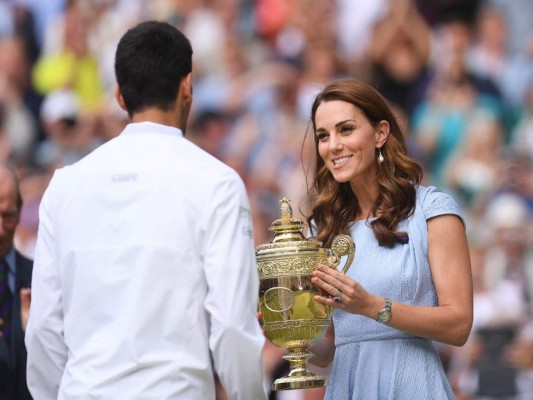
291, 318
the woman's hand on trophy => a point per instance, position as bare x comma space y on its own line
342, 292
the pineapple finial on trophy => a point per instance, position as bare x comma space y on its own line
286, 209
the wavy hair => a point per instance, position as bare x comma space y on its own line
334, 204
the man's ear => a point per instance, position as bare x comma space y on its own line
382, 133
119, 98
186, 88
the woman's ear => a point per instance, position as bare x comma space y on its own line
382, 133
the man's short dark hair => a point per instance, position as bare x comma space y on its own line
151, 60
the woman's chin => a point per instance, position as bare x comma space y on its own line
341, 178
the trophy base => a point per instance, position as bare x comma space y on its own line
299, 382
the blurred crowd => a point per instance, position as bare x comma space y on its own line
459, 74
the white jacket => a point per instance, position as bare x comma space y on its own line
145, 276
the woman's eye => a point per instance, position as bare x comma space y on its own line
347, 129
322, 136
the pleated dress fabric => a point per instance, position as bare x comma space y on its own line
372, 360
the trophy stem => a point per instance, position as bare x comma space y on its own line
298, 362
299, 377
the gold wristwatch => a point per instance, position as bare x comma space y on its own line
385, 314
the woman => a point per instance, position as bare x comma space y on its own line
410, 282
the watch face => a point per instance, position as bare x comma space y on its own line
384, 315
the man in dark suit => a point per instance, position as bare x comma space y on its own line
15, 279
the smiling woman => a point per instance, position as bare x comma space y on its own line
361, 150
410, 282
347, 147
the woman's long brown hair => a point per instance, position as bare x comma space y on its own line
334, 205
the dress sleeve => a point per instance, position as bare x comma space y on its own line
435, 203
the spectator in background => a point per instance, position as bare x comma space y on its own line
487, 57
72, 66
454, 93
399, 52
518, 23
515, 178
105, 20
43, 15
473, 169
441, 121
17, 20
320, 65
229, 88
18, 99
206, 28
60, 115
354, 39
15, 280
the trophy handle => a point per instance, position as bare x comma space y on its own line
342, 245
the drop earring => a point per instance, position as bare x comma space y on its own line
380, 157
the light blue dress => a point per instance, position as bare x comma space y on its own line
374, 361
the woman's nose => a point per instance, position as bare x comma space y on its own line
335, 143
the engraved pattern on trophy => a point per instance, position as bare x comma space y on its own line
289, 265
291, 318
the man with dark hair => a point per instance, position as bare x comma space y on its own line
145, 284
15, 279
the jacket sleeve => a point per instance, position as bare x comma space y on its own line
47, 352
235, 339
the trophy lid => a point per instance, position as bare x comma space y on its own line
290, 253
286, 228
288, 236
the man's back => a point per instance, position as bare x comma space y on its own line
152, 262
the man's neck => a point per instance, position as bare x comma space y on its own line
157, 116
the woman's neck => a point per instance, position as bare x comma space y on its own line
367, 195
